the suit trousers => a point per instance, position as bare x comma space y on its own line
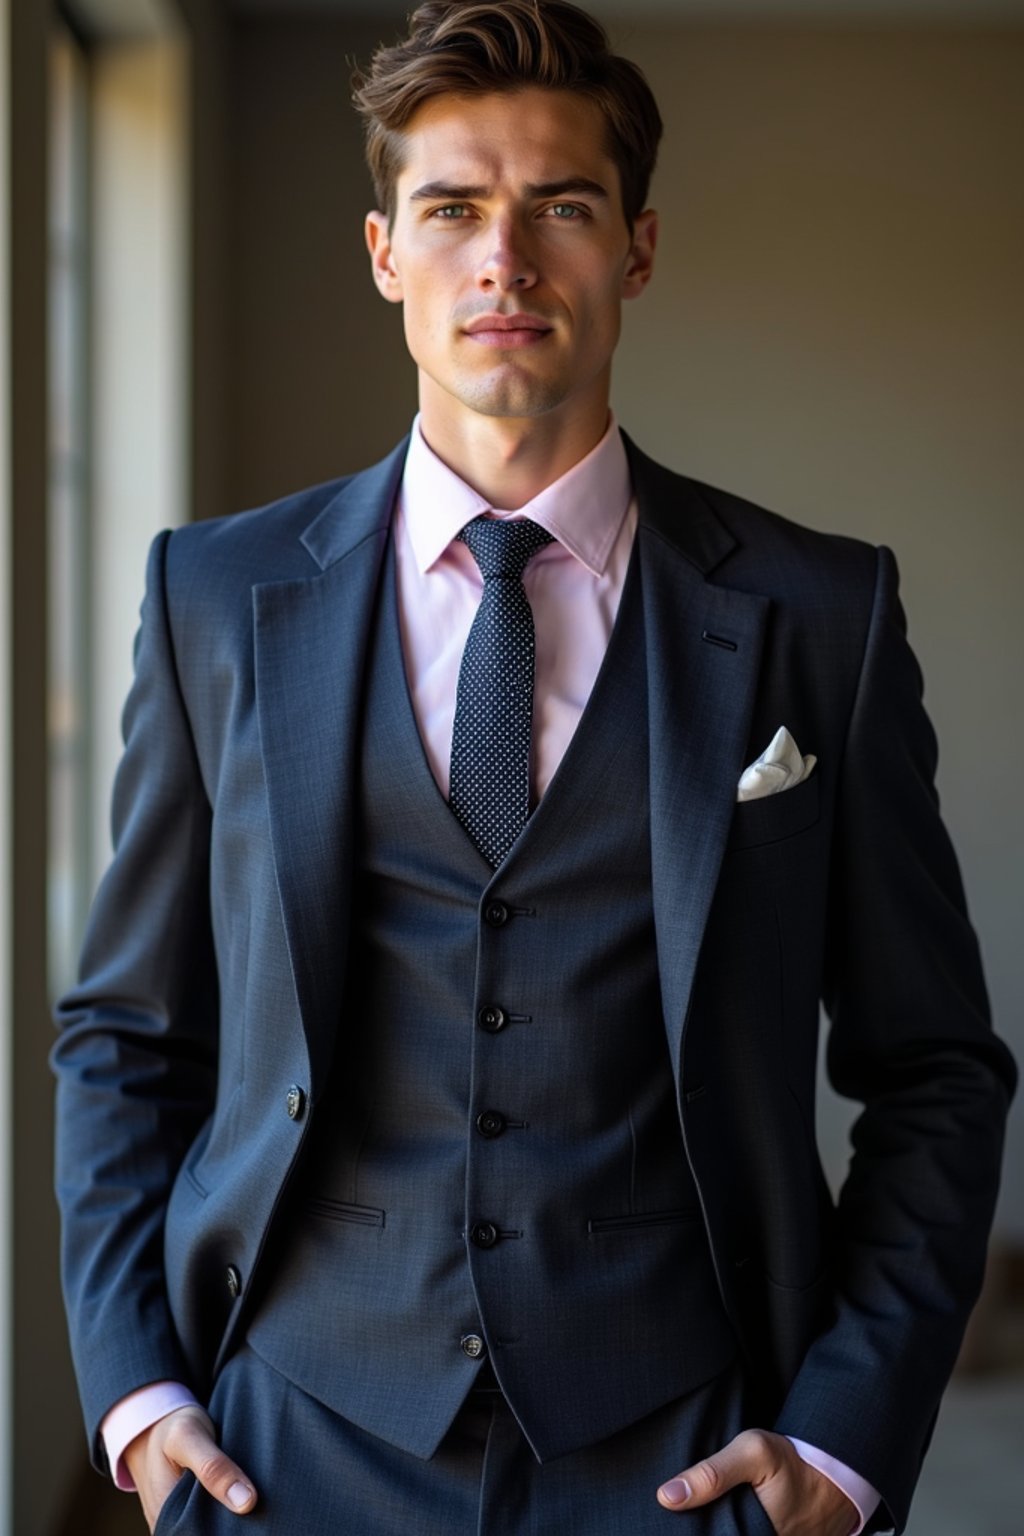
319, 1475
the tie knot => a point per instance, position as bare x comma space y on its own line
503, 549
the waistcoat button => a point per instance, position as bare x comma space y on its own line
492, 1019
233, 1281
496, 913
472, 1345
295, 1102
490, 1123
484, 1234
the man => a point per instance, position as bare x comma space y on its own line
459, 1156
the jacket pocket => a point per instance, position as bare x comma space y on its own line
344, 1210
775, 817
598, 1224
173, 1507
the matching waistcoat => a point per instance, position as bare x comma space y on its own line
496, 1169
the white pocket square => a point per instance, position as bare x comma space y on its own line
779, 767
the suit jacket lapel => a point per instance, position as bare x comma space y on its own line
310, 646
703, 656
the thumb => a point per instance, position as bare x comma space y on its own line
192, 1445
747, 1459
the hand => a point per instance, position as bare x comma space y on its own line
797, 1498
184, 1439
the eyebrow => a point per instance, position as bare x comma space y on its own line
454, 192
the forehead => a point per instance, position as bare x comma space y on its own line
530, 135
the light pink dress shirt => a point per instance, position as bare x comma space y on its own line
574, 586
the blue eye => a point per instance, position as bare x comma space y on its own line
450, 211
566, 212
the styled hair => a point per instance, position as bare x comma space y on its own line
473, 48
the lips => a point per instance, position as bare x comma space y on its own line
498, 322
508, 330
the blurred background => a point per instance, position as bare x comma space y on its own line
188, 327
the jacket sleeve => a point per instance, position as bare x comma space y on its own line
911, 1040
135, 1059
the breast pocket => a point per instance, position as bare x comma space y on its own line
775, 817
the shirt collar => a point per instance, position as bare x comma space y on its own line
583, 509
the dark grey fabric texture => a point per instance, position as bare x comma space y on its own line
319, 1475
598, 1299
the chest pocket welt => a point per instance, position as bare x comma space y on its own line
775, 817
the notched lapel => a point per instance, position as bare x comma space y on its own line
704, 646
310, 645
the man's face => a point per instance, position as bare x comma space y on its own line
511, 253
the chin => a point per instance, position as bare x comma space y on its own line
513, 398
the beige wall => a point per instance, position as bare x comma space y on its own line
318, 382
46, 1427
207, 31
44, 1459
140, 365
836, 330
6, 819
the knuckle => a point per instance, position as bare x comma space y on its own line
706, 1478
181, 1429
756, 1445
212, 1469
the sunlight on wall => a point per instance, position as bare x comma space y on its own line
140, 443
6, 1087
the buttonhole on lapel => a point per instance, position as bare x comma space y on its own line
695, 1093
524, 911
519, 1018
719, 640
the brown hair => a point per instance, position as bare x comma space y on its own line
473, 48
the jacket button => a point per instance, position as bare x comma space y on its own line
496, 914
490, 1123
233, 1281
472, 1345
483, 1234
492, 1019
295, 1102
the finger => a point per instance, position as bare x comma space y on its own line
749, 1458
195, 1448
153, 1495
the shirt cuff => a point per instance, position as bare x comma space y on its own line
134, 1413
858, 1490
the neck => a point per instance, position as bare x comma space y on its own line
509, 460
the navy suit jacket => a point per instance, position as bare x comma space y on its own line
213, 973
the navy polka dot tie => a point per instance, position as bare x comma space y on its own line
490, 775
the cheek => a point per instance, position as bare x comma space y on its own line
430, 298
427, 328
599, 315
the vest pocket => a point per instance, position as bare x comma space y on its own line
598, 1224
344, 1210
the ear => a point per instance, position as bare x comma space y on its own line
640, 264
382, 260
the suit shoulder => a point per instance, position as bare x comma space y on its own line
290, 538
261, 541
742, 544
762, 534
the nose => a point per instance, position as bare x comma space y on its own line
506, 263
